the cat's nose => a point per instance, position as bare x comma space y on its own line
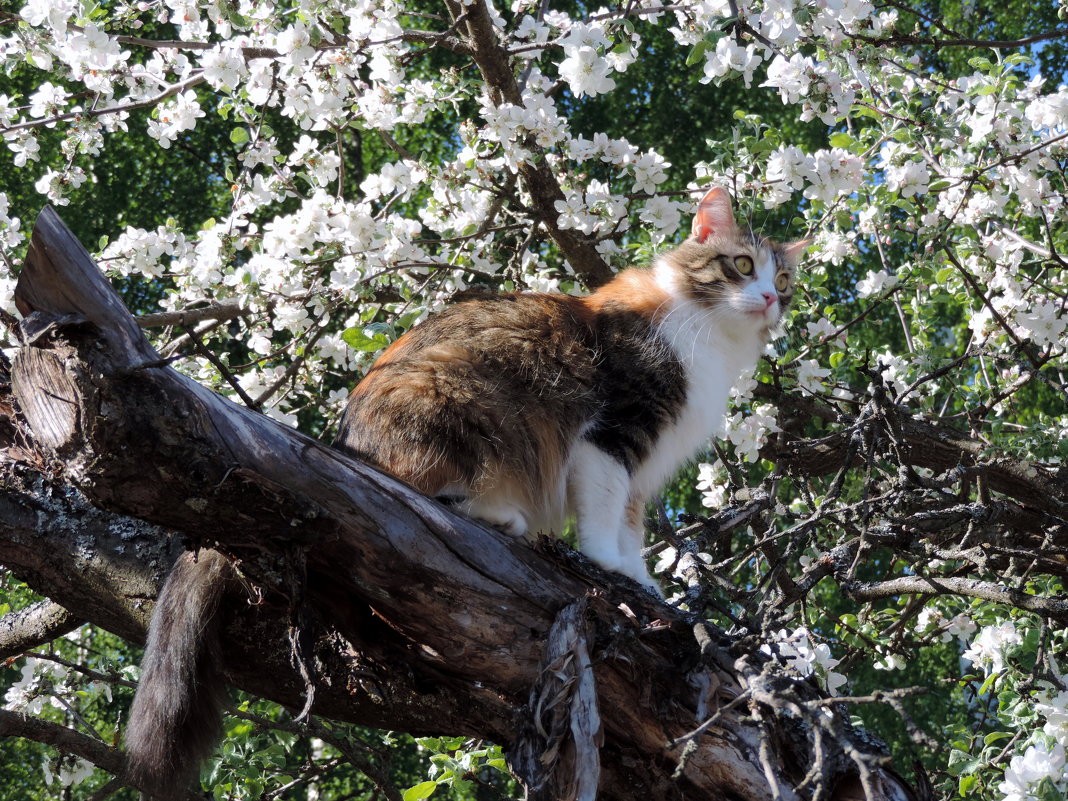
769, 298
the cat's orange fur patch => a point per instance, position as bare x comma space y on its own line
633, 289
393, 353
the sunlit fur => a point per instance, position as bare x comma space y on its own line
525, 408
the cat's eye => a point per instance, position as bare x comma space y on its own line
743, 264
782, 281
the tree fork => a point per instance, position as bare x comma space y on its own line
421, 619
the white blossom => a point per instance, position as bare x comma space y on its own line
1025, 770
712, 484
791, 76
224, 67
54, 12
92, 55
749, 433
1045, 322
875, 283
48, 100
174, 117
56, 185
810, 375
587, 72
988, 649
832, 173
908, 179
821, 328
663, 214
895, 370
799, 652
890, 662
731, 57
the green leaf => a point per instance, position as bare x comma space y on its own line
697, 53
944, 274
842, 139
420, 791
988, 683
959, 762
762, 146
462, 785
966, 783
366, 339
836, 359
994, 736
239, 136
1016, 59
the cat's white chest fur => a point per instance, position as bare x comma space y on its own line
713, 358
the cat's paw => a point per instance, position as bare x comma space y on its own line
640, 573
506, 518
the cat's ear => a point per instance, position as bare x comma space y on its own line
714, 215
793, 250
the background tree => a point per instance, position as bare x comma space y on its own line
285, 188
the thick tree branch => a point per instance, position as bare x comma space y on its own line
216, 311
1056, 608
68, 741
924, 444
35, 625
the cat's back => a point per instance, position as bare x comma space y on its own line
516, 330
526, 337
502, 378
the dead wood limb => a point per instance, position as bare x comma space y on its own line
559, 756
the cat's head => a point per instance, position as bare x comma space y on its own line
747, 278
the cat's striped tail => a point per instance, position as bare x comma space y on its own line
176, 717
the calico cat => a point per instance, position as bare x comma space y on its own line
517, 410
523, 409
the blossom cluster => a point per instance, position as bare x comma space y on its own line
268, 60
800, 652
1042, 762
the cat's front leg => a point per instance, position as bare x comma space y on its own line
608, 513
631, 539
598, 486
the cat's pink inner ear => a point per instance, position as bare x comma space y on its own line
714, 215
793, 250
